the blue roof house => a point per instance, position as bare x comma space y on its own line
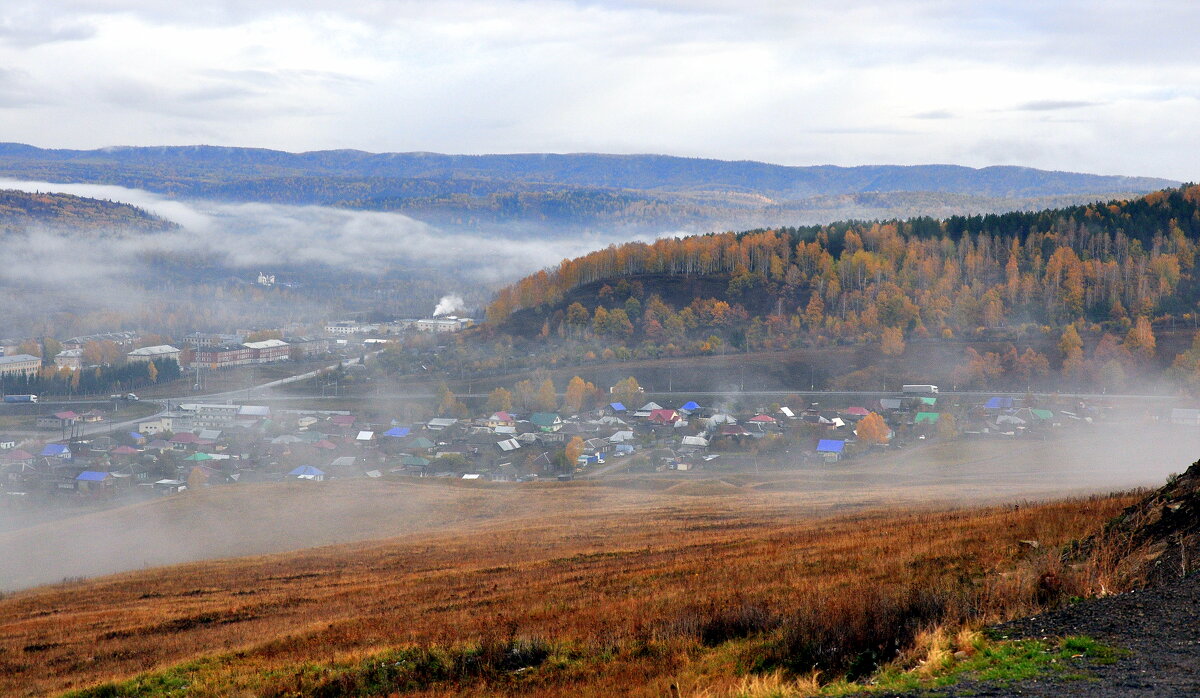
831, 449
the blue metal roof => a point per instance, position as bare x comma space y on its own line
617, 406
690, 406
91, 476
830, 446
999, 403
397, 432
307, 470
137, 436
54, 450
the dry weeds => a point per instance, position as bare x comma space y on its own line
628, 593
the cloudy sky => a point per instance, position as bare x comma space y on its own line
1108, 87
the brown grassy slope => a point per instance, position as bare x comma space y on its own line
593, 570
264, 518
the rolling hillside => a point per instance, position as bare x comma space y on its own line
1078, 293
20, 210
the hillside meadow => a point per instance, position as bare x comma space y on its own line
579, 590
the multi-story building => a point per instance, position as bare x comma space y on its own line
155, 353
269, 350
19, 365
309, 346
223, 356
69, 358
192, 416
344, 329
213, 339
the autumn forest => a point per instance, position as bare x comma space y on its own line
1074, 294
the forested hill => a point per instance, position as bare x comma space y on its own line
20, 210
1102, 267
582, 189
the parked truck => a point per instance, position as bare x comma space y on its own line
919, 389
20, 398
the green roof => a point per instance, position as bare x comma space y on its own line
421, 442
1043, 414
199, 456
544, 419
927, 417
414, 460
928, 400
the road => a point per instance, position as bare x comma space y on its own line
227, 396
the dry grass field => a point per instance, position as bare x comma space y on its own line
583, 590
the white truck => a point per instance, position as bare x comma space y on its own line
919, 389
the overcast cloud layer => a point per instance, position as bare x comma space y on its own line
1106, 87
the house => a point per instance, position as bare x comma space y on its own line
787, 412
616, 407
92, 416
397, 432
999, 403
365, 437
720, 418
831, 449
858, 412
646, 409
93, 481
661, 416
154, 426
930, 418
56, 451
155, 353
500, 419
441, 423
508, 445
170, 486
689, 406
694, 442
891, 404
308, 472
622, 436
763, 419
7, 443
546, 421
58, 420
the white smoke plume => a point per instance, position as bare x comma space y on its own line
449, 304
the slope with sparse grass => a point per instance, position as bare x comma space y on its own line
555, 591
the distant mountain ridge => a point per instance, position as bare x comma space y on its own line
557, 194
602, 170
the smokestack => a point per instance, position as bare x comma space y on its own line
448, 304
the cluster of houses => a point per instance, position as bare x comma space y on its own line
200, 445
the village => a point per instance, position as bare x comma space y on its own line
198, 445
125, 447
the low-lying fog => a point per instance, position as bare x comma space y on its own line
65, 269
236, 520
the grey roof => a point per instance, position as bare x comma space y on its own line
17, 358
154, 351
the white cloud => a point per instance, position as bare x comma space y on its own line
845, 82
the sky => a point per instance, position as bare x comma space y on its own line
1105, 87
